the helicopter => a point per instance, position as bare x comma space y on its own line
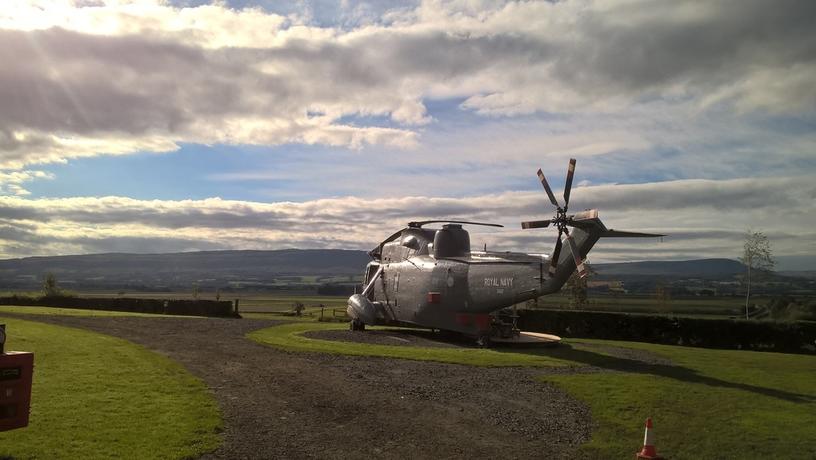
430, 278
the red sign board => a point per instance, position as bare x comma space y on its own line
16, 372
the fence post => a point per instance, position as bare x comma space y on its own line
236, 307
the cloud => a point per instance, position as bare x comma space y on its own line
702, 219
449, 101
11, 182
123, 77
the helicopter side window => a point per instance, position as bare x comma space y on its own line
410, 245
411, 242
372, 269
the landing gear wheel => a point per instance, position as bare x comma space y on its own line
356, 325
483, 341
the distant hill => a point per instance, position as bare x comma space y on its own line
182, 270
274, 270
285, 261
702, 268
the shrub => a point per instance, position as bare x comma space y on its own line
789, 337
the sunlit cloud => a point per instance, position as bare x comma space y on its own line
11, 183
129, 76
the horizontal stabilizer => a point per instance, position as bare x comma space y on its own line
621, 234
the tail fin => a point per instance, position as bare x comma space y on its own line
587, 229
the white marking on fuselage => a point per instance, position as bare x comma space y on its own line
498, 282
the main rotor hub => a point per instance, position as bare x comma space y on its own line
560, 220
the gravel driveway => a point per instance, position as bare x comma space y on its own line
279, 404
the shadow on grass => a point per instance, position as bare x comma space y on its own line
410, 337
602, 361
683, 374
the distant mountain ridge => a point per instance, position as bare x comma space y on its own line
283, 261
182, 270
266, 269
681, 268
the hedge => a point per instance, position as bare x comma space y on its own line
788, 337
158, 306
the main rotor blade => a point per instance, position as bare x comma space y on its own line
420, 223
579, 263
536, 224
555, 254
547, 188
568, 185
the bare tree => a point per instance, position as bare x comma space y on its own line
577, 287
756, 256
50, 288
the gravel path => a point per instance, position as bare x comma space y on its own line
278, 404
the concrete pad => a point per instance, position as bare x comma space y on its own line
529, 338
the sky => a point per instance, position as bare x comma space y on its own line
161, 126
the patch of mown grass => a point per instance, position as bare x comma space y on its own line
707, 404
290, 337
75, 312
96, 396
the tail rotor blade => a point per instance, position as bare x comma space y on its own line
579, 263
536, 224
547, 188
554, 258
568, 185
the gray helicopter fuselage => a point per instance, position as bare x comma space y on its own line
454, 293
431, 278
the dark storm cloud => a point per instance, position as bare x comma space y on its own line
160, 84
645, 44
745, 194
64, 81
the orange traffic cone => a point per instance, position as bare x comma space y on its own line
648, 452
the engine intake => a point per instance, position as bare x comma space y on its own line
451, 241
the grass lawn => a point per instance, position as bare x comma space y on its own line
97, 396
75, 312
289, 337
709, 404
703, 306
706, 404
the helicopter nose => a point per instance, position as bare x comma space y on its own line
360, 308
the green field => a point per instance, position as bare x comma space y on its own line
289, 337
709, 404
266, 302
96, 396
698, 306
706, 404
55, 311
